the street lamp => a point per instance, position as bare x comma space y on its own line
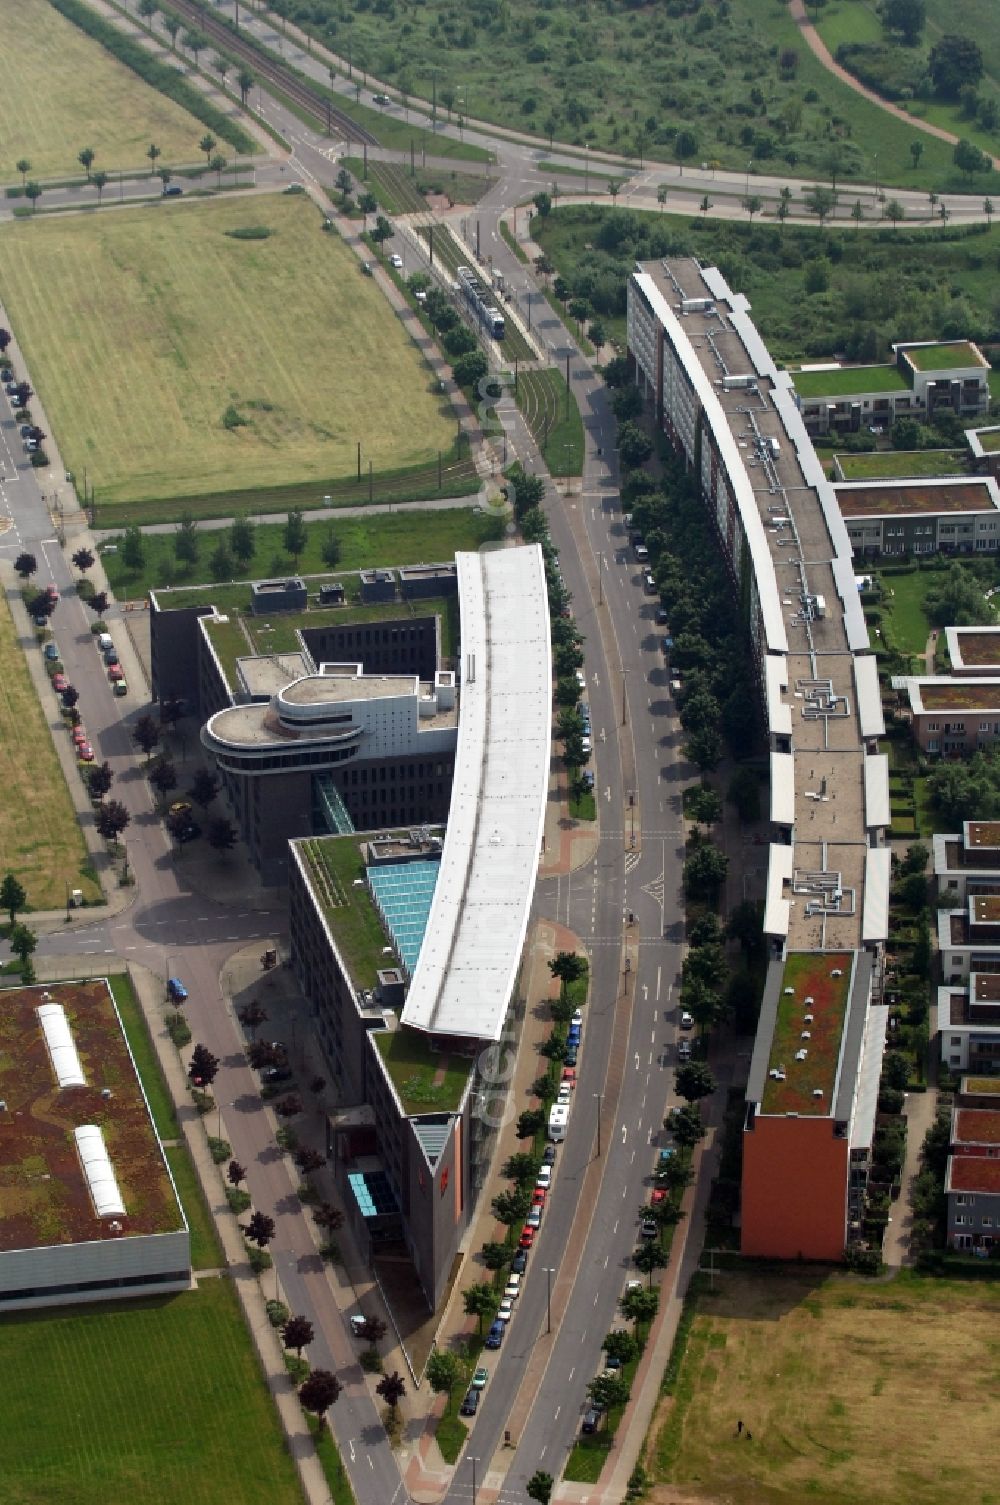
600, 1100
876, 177
586, 167
548, 1272
746, 186
474, 1461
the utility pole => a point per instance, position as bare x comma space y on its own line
477, 239
600, 1100
430, 241
359, 459
548, 1297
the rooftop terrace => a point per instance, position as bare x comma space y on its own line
897, 498
808, 988
45, 1198
849, 381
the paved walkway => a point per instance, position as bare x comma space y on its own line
920, 1109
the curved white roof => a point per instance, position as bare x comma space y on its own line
472, 946
97, 1168
62, 1051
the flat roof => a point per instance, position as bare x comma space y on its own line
847, 381
985, 987
319, 689
902, 498
885, 464
973, 1173
808, 987
981, 1086
335, 869
982, 833
943, 355
985, 909
468, 962
976, 1126
962, 695
971, 647
426, 1080
984, 441
45, 1197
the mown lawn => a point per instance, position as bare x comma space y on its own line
150, 1402
62, 92
40, 840
206, 1251
133, 1020
175, 358
851, 1391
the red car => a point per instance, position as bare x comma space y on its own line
79, 735
658, 1196
538, 1196
52, 591
115, 673
59, 683
85, 752
527, 1238
569, 1075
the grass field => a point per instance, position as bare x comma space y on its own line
225, 361
40, 840
390, 539
628, 78
134, 1024
908, 621
853, 1392
206, 1251
153, 1402
884, 285
555, 423
62, 92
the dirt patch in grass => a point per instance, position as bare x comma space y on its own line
853, 1392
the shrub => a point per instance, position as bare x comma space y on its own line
297, 1368
249, 232
232, 418
203, 1101
239, 1200
258, 1259
178, 1029
220, 1149
370, 1361
277, 1313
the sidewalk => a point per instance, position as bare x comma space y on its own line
920, 1109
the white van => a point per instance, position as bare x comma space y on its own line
105, 641
558, 1120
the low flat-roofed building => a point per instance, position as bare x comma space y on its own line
969, 938
974, 651
968, 862
972, 1179
984, 446
941, 515
924, 379
968, 1021
88, 1207
954, 717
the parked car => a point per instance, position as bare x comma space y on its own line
271, 1074
52, 591
572, 1051
494, 1337
641, 553
687, 1020
538, 1196
357, 1322
577, 1018
479, 1378
79, 736
573, 1035
51, 651
569, 1076
172, 191
591, 1420
176, 990
527, 1237
513, 1287
659, 1195
544, 1177
470, 1405
105, 641
120, 687
684, 1050
534, 1218
180, 807
381, 99
396, 260
115, 673
548, 1155
519, 1263
505, 1310
190, 831
59, 683
110, 656
565, 1093
85, 752
648, 1228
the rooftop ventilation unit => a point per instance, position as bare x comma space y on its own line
837, 972
817, 1092
800, 1055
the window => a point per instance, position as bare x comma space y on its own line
959, 1218
987, 1222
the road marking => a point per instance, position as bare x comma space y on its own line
556, 1416
606, 1258
571, 1373
615, 1228
637, 1060
650, 1061
658, 971
624, 1132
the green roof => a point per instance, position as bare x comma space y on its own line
332, 864
230, 643
426, 1080
808, 975
909, 464
845, 381
990, 440
948, 355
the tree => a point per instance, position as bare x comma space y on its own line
133, 549
916, 152
208, 143
245, 80
260, 1228
608, 1390
495, 1256
221, 834
373, 1331
661, 196
222, 66
111, 820
895, 1070
163, 776
218, 164
753, 204
99, 780
480, 1300
13, 896
368, 204
694, 1079
955, 62
529, 1122
318, 1392
620, 1345
444, 1370
330, 549
705, 872
598, 334
86, 159
25, 565
539, 1487
220, 561
203, 1068
23, 167
204, 788
704, 806
392, 1388
328, 1217
685, 146
649, 1256
152, 152
235, 1173
171, 25
99, 603
988, 211
41, 605
146, 734
543, 203
634, 445
639, 1305
687, 1127
294, 535
252, 1015
381, 232
958, 601
512, 1206
164, 174
894, 211
23, 942
33, 192
969, 159
242, 539
470, 369
521, 1167
186, 540
704, 748
523, 490
84, 560
821, 201
568, 966
100, 181
298, 1333
905, 16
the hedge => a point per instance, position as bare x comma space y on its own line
159, 75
